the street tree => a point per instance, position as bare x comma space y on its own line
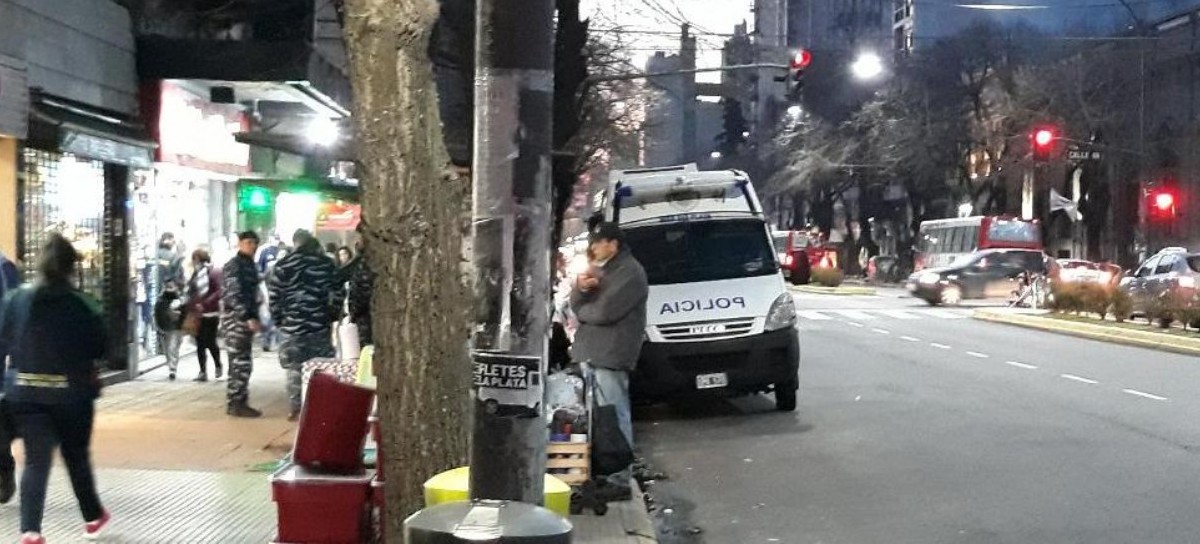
416, 218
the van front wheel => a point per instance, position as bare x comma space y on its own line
785, 396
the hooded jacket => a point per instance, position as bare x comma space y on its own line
304, 292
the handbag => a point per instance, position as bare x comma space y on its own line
191, 324
611, 452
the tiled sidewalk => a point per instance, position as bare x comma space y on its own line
173, 468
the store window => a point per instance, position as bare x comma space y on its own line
65, 194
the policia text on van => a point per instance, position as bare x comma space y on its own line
719, 316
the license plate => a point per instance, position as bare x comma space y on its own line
706, 329
712, 381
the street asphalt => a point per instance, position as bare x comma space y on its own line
920, 425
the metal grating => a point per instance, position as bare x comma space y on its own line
65, 194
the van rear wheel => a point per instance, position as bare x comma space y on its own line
785, 395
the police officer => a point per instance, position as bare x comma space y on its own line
239, 322
305, 297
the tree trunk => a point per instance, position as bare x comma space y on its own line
416, 219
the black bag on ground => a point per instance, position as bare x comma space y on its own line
611, 453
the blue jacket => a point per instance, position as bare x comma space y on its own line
54, 335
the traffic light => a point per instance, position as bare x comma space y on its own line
1161, 203
1042, 143
795, 79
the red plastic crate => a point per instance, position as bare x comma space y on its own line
333, 426
321, 508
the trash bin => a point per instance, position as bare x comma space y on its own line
325, 508
333, 426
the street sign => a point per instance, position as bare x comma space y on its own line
505, 379
1083, 155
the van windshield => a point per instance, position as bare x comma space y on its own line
689, 252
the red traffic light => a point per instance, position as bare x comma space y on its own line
802, 59
1043, 137
1164, 201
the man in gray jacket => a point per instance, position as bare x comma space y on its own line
610, 303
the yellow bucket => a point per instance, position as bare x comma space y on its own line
451, 486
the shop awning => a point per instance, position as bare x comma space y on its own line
298, 145
72, 127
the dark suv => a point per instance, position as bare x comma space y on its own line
990, 273
1172, 273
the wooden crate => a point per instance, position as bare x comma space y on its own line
569, 455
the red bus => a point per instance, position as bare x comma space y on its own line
941, 241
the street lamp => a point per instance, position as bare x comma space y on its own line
322, 131
868, 66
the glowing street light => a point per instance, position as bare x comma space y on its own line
867, 66
322, 131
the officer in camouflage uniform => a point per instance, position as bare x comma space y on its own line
305, 297
239, 322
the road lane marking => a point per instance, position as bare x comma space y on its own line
853, 324
854, 314
910, 339
815, 316
939, 346
882, 331
946, 314
1079, 379
898, 314
1143, 394
978, 355
1021, 365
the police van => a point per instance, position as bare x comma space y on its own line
720, 317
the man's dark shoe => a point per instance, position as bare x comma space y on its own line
242, 410
220, 371
8, 485
608, 492
203, 377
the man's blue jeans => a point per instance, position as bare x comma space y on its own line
612, 388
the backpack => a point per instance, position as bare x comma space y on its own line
168, 316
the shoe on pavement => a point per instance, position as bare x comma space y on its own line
171, 376
8, 485
33, 538
613, 493
93, 529
294, 415
203, 377
242, 410
220, 371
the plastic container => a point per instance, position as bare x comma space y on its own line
333, 426
451, 486
313, 507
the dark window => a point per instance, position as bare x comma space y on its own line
1194, 263
1165, 265
1148, 268
1011, 230
702, 251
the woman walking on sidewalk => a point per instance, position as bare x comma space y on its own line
204, 300
52, 334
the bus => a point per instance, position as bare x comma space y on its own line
941, 241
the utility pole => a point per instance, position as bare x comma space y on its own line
514, 88
511, 225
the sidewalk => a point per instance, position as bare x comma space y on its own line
172, 467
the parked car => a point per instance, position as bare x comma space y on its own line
991, 273
1170, 275
1078, 271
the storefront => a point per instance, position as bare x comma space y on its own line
77, 167
14, 122
280, 207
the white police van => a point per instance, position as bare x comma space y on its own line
720, 317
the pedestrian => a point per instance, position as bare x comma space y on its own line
168, 319
609, 302
270, 333
52, 333
239, 322
360, 281
170, 277
345, 256
10, 279
204, 301
306, 299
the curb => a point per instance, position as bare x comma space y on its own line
841, 290
1102, 333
